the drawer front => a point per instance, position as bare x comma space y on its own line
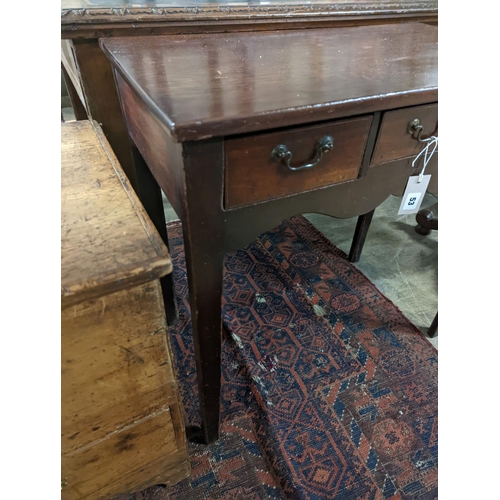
394, 141
252, 175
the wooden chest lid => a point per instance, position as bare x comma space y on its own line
107, 240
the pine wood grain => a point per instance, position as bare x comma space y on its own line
122, 462
107, 240
115, 367
122, 423
122, 427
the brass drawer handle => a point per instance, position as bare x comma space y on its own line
415, 128
282, 153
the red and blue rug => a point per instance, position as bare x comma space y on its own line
328, 391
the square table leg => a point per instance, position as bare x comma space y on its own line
203, 228
199, 179
359, 237
149, 193
433, 328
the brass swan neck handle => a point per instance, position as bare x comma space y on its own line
283, 154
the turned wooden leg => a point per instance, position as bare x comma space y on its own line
426, 222
203, 227
360, 233
149, 193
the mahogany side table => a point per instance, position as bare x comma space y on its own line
241, 130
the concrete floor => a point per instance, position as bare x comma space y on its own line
401, 263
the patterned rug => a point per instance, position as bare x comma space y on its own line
328, 391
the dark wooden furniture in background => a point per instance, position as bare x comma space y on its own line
426, 223
122, 422
213, 116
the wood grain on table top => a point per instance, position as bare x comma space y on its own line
201, 86
107, 240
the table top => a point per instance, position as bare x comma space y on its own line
201, 86
107, 240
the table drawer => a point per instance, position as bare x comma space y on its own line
252, 174
394, 141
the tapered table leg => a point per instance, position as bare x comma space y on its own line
149, 193
434, 326
359, 238
203, 228
204, 267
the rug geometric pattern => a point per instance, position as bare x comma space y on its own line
328, 391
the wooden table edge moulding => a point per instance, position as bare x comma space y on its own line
242, 130
122, 422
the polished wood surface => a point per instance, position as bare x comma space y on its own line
202, 86
162, 155
251, 175
121, 417
107, 239
394, 141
